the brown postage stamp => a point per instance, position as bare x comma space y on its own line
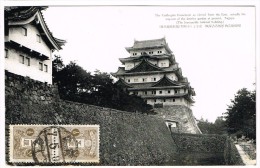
54, 143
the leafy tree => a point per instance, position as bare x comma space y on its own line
241, 114
218, 127
57, 65
76, 84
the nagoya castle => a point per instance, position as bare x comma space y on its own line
152, 73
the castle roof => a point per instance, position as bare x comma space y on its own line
144, 66
122, 83
151, 57
22, 15
165, 96
165, 81
148, 44
27, 50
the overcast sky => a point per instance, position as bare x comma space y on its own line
217, 61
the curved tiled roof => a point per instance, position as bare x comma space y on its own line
18, 13
149, 43
26, 14
173, 68
152, 57
121, 82
144, 66
145, 44
166, 96
165, 81
120, 71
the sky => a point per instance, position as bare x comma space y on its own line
218, 61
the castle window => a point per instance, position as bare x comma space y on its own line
45, 68
144, 79
154, 100
154, 79
153, 92
160, 92
21, 59
176, 91
128, 80
164, 100
24, 31
150, 52
169, 91
134, 53
40, 66
24, 60
6, 53
145, 92
38, 38
27, 61
173, 100
159, 52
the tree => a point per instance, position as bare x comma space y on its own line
57, 65
241, 114
218, 127
76, 84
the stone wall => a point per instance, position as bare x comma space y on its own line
206, 149
231, 154
125, 138
198, 149
181, 114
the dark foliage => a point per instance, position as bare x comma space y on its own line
76, 84
218, 127
241, 114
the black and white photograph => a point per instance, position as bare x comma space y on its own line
129, 84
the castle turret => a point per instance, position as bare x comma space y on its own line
29, 44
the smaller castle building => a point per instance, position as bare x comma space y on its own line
29, 43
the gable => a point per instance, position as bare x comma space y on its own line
165, 81
144, 66
122, 84
20, 16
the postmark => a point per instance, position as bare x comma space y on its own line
54, 143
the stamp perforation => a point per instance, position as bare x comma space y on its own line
66, 137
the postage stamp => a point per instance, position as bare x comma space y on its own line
54, 143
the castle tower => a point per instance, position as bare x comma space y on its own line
29, 44
152, 72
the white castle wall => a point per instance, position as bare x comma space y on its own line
138, 53
12, 63
30, 41
149, 78
160, 63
